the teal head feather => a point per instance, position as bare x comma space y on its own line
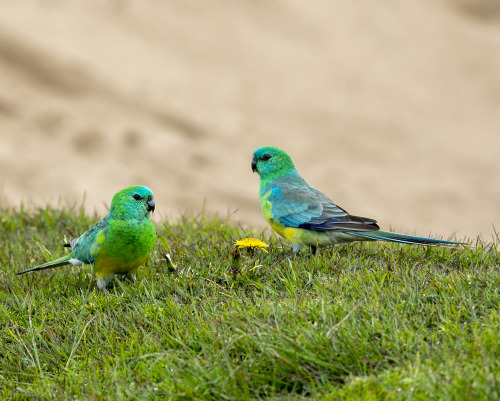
132, 203
271, 163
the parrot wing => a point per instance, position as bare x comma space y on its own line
84, 248
88, 244
296, 204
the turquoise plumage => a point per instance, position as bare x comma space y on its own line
306, 216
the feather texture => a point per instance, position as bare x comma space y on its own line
306, 216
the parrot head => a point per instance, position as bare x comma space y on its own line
270, 162
132, 203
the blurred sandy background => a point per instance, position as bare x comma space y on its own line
392, 108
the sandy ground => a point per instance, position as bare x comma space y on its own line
392, 108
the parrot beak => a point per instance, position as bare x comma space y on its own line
151, 205
254, 164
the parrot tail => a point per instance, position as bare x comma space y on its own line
401, 238
55, 263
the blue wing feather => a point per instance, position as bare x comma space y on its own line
296, 204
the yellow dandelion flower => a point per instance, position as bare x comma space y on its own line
251, 243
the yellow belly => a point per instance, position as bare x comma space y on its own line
286, 232
105, 266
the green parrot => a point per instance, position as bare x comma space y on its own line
119, 243
307, 217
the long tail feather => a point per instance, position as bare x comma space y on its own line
401, 238
55, 263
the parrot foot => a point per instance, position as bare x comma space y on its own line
101, 284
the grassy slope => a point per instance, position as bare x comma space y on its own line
364, 321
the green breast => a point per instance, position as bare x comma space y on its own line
125, 246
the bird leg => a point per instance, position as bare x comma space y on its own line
101, 284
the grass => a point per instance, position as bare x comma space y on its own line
367, 321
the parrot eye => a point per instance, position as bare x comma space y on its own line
137, 196
266, 157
